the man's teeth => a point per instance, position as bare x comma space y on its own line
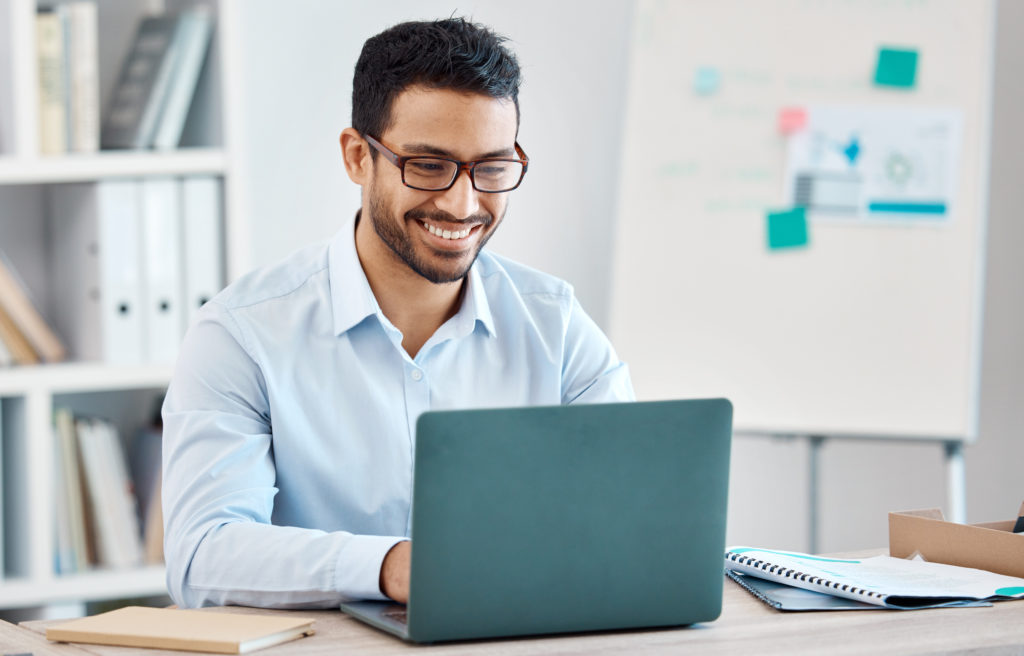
447, 234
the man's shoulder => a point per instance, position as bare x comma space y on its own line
278, 280
500, 273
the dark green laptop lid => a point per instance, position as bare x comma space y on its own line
568, 518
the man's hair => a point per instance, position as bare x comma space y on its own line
452, 53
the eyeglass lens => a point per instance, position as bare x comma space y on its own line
489, 175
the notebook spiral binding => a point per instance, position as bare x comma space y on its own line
788, 573
738, 578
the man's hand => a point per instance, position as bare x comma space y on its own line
394, 572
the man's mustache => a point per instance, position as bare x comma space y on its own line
439, 216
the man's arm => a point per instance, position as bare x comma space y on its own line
591, 370
218, 494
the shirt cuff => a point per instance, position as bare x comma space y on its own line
357, 570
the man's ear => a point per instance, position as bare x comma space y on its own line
356, 154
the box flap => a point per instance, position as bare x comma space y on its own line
928, 513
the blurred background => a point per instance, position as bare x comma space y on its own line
663, 139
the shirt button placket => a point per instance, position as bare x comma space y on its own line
417, 394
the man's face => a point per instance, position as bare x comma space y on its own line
412, 223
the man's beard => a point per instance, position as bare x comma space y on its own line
391, 232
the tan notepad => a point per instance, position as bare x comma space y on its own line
189, 630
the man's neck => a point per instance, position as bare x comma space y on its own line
416, 306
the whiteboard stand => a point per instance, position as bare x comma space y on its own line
813, 510
956, 485
956, 477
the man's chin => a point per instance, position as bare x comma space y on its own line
443, 275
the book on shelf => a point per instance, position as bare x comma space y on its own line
185, 630
67, 54
74, 540
883, 581
3, 485
17, 306
157, 81
6, 359
83, 74
52, 93
144, 459
191, 42
15, 344
131, 117
153, 527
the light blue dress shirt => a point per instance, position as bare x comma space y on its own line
289, 424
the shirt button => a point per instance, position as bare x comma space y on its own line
417, 375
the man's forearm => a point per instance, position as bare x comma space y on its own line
394, 572
254, 564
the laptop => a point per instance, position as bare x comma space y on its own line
540, 520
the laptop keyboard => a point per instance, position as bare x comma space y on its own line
399, 615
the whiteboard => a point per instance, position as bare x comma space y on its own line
872, 328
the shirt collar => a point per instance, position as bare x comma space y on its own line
474, 304
353, 301
351, 297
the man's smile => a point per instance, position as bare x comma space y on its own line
448, 233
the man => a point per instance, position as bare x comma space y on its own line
289, 423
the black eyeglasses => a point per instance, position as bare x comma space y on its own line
491, 176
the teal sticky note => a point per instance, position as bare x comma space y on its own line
706, 81
787, 229
896, 68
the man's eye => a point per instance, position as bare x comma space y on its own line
491, 170
426, 167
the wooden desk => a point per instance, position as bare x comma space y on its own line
746, 626
18, 640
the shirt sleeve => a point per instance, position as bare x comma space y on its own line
591, 371
219, 486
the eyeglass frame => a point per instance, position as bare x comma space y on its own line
400, 160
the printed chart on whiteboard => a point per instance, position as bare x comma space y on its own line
863, 164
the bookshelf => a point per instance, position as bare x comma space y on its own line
125, 394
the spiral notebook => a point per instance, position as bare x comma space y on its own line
881, 580
785, 597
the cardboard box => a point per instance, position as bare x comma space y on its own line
991, 546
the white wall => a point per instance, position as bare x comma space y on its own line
296, 90
994, 466
295, 78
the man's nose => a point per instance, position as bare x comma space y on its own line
461, 199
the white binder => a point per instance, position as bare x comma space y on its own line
163, 313
97, 293
203, 242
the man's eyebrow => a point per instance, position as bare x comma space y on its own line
434, 151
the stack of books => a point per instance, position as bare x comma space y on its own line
154, 90
158, 79
99, 521
69, 79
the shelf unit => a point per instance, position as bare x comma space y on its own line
125, 395
85, 168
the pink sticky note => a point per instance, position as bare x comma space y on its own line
792, 119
